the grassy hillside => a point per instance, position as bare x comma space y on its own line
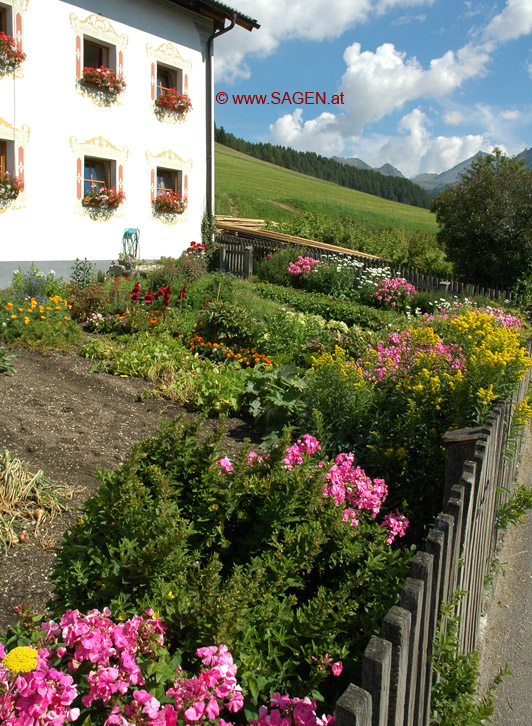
248, 187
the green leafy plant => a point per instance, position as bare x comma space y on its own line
515, 508
246, 552
455, 698
82, 273
6, 365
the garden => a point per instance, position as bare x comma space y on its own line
201, 583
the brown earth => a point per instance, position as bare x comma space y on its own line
57, 415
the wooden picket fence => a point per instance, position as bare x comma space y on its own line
397, 674
243, 243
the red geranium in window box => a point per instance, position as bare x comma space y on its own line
172, 100
103, 198
10, 55
105, 79
10, 186
170, 202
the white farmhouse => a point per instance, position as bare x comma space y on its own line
106, 121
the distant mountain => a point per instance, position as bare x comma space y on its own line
434, 183
527, 156
386, 169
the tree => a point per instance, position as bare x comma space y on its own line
486, 221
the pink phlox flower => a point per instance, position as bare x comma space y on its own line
254, 458
225, 464
337, 668
396, 525
195, 712
351, 517
295, 453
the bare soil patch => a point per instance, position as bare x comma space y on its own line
57, 415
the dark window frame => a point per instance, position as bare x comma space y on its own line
89, 181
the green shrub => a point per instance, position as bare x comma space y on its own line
329, 308
274, 268
256, 559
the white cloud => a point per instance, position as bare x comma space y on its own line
453, 118
320, 134
375, 84
298, 19
512, 22
511, 115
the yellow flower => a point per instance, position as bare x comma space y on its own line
48, 308
22, 659
9, 306
170, 595
43, 317
26, 320
21, 310
14, 317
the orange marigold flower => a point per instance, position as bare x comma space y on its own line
9, 306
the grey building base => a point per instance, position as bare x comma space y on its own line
62, 268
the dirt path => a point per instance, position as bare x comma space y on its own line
59, 416
507, 637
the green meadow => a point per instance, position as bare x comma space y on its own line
248, 187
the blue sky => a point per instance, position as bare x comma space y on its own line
426, 83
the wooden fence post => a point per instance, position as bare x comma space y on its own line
248, 263
396, 629
376, 667
354, 707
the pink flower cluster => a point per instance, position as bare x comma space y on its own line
44, 696
295, 453
393, 289
303, 266
402, 354
201, 698
396, 525
225, 465
348, 483
39, 698
286, 711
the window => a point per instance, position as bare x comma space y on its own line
96, 55
168, 78
169, 180
6, 20
3, 156
98, 172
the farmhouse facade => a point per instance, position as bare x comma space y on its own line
106, 124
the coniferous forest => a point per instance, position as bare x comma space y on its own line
396, 189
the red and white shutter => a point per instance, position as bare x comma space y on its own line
120, 63
152, 185
20, 163
120, 178
78, 56
79, 178
152, 80
18, 30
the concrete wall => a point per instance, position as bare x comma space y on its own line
51, 122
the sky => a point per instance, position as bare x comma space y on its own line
426, 84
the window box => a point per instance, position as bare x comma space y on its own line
10, 56
105, 79
103, 197
172, 101
170, 202
10, 186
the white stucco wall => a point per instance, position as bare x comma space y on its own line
44, 111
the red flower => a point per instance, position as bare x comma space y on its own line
148, 297
182, 293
